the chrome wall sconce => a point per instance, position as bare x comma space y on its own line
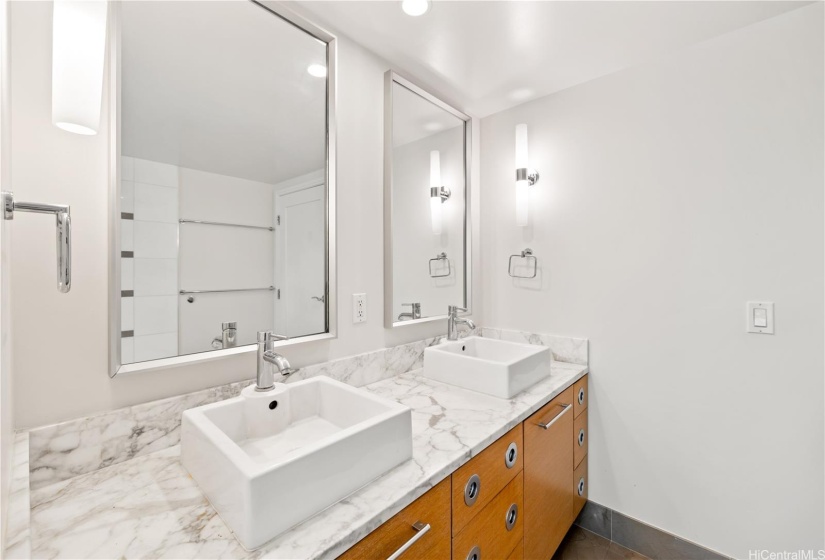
525, 177
439, 194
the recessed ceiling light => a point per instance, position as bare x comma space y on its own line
415, 7
317, 70
521, 94
433, 126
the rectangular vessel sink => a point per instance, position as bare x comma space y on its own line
495, 367
269, 460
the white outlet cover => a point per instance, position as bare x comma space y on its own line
751, 326
359, 308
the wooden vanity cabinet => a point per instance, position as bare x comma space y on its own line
548, 476
433, 509
515, 500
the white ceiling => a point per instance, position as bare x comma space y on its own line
414, 117
487, 56
221, 87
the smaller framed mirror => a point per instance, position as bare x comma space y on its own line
426, 205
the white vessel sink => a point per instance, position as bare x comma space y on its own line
495, 367
269, 460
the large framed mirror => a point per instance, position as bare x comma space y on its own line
223, 193
426, 205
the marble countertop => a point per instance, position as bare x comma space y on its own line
149, 507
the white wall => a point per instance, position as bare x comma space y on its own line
414, 243
670, 195
60, 345
6, 403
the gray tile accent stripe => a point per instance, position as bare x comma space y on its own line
127, 293
127, 216
127, 334
640, 537
127, 254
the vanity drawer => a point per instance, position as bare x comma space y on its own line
580, 480
497, 529
476, 482
518, 552
580, 391
432, 508
581, 436
548, 476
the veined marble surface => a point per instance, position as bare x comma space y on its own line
63, 451
564, 348
150, 507
18, 543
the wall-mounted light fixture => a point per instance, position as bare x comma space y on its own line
438, 193
525, 177
78, 55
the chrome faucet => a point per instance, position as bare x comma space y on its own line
453, 320
229, 331
267, 357
415, 312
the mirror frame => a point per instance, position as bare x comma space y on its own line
276, 9
390, 78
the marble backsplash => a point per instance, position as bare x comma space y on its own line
68, 449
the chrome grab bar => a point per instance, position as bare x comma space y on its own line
208, 223
268, 289
63, 219
421, 530
546, 425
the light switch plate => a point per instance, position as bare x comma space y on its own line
760, 317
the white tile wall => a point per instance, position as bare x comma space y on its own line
155, 315
127, 196
127, 274
127, 314
156, 204
127, 350
127, 235
156, 277
155, 346
127, 168
156, 240
156, 173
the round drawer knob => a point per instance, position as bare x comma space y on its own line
581, 486
474, 554
510, 518
511, 455
472, 489
581, 395
581, 437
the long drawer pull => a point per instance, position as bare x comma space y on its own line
420, 531
546, 425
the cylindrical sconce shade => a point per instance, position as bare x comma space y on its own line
435, 169
435, 188
522, 184
78, 55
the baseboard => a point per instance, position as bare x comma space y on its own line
640, 537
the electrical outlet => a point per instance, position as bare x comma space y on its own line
359, 308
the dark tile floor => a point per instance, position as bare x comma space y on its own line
581, 544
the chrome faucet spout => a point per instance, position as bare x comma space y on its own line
267, 357
453, 320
